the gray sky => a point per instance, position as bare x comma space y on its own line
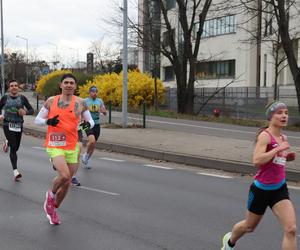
68, 26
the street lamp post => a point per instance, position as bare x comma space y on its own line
125, 66
56, 55
26, 39
77, 56
2, 52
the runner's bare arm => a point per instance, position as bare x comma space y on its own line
260, 155
49, 102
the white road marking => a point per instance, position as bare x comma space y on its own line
156, 166
39, 148
216, 175
111, 159
198, 126
97, 190
293, 187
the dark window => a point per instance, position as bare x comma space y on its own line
219, 26
215, 69
170, 4
169, 73
166, 37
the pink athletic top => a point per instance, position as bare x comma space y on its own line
272, 172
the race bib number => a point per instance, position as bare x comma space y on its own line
57, 139
15, 127
279, 160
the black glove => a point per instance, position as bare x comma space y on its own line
53, 121
85, 126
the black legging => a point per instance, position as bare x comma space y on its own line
14, 140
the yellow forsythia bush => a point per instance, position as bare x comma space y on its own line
140, 88
47, 78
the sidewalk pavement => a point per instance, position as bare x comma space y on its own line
192, 149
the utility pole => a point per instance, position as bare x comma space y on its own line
2, 53
125, 66
258, 47
25, 39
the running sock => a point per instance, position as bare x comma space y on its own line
230, 244
16, 172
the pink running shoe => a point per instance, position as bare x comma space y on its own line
53, 219
5, 146
49, 204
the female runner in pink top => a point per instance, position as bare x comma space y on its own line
269, 188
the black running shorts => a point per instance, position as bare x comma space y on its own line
259, 199
94, 131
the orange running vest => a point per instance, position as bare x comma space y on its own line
64, 135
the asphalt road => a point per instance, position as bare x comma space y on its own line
127, 203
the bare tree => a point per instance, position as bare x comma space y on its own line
185, 52
182, 53
105, 56
283, 11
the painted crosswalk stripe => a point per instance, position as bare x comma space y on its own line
98, 190
111, 159
156, 166
216, 175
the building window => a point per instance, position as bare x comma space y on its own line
215, 69
169, 73
166, 37
218, 26
170, 4
265, 70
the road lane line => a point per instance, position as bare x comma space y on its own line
216, 175
111, 159
293, 187
156, 166
39, 148
199, 126
97, 190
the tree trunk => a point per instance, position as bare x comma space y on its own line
287, 44
297, 84
180, 97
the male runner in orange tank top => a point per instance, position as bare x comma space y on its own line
62, 114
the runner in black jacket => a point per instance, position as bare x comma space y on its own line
13, 105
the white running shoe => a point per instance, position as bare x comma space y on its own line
225, 242
17, 175
85, 161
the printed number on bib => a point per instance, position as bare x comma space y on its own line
16, 127
57, 139
279, 160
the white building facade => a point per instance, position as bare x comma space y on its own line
228, 52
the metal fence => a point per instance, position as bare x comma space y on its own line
237, 102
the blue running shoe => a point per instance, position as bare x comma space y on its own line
75, 182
